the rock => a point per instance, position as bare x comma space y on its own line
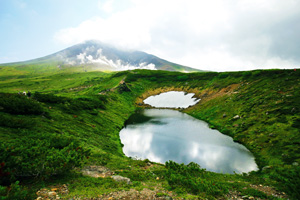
123, 88
266, 168
121, 178
166, 198
134, 194
64, 189
272, 134
236, 117
42, 193
96, 171
284, 155
52, 194
247, 197
45, 194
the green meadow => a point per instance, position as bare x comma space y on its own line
74, 115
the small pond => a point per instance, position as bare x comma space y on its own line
161, 135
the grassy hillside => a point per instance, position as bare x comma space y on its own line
73, 120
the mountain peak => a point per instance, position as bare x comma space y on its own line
99, 54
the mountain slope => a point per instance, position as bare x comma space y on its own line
101, 56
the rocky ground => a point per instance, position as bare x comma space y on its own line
58, 191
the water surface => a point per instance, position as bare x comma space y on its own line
161, 135
172, 99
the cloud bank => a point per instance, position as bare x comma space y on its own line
220, 35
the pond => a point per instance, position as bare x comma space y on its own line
161, 135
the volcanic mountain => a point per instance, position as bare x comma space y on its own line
101, 56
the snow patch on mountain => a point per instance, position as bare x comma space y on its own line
90, 55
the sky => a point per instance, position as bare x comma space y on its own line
216, 35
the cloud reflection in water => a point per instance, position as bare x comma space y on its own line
179, 137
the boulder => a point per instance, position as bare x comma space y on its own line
45, 194
266, 168
97, 171
123, 88
121, 178
236, 117
272, 134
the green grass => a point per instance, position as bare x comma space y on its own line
90, 109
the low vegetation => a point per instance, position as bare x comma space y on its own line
73, 119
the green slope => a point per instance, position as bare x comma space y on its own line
75, 112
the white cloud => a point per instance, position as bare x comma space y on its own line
121, 30
213, 35
106, 6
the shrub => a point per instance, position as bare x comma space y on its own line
40, 157
19, 104
13, 192
4, 173
254, 193
246, 74
48, 98
296, 123
223, 75
153, 79
288, 179
182, 78
73, 105
191, 178
85, 103
131, 78
118, 74
13, 121
257, 73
